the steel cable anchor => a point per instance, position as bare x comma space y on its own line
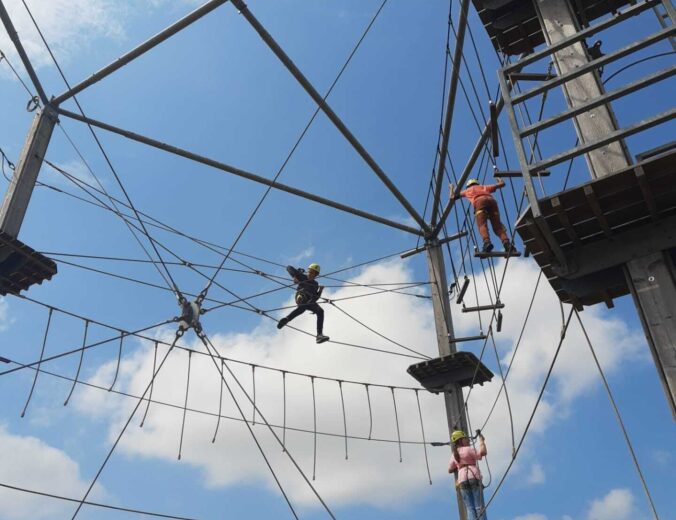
190, 317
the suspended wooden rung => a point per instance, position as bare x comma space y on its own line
463, 290
484, 308
21, 266
442, 373
467, 338
518, 173
495, 254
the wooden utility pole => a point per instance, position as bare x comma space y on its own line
651, 279
454, 400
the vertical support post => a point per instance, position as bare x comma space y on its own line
454, 400
19, 192
558, 22
650, 279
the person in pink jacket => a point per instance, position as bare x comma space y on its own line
467, 474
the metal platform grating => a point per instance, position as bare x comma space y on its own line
458, 368
21, 266
629, 211
513, 26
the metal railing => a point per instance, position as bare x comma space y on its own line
513, 99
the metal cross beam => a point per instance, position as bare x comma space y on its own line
141, 49
238, 172
314, 94
11, 31
450, 107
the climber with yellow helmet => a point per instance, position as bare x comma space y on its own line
467, 475
307, 294
485, 209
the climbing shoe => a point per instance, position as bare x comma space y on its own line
321, 338
282, 322
509, 247
488, 246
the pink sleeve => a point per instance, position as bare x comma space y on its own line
491, 187
452, 465
478, 454
463, 193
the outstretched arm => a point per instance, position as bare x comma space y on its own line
451, 194
296, 274
482, 446
499, 184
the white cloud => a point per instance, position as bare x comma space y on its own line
536, 475
72, 25
5, 318
661, 457
30, 463
68, 25
531, 516
303, 255
75, 168
373, 474
405, 219
618, 504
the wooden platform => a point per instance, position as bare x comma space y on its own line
21, 266
462, 368
513, 25
588, 232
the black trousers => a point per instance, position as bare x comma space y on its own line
312, 307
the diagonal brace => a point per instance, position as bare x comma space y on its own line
468, 168
238, 172
11, 31
305, 83
141, 49
450, 106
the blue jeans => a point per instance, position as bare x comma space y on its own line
472, 493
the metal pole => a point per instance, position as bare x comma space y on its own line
316, 96
19, 192
454, 400
9, 26
141, 49
651, 278
238, 172
450, 106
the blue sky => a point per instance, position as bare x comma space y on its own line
217, 90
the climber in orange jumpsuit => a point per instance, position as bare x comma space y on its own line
485, 209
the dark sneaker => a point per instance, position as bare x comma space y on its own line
321, 338
488, 247
282, 322
509, 247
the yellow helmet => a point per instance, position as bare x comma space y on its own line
457, 435
314, 267
472, 182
